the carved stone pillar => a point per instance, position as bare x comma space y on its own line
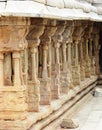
88, 63
7, 68
1, 69
45, 88
87, 37
57, 40
13, 105
36, 29
92, 58
16, 66
76, 66
66, 78
82, 63
96, 47
56, 87
78, 30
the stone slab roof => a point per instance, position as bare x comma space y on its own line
54, 9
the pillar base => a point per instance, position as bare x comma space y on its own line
82, 72
88, 69
45, 91
76, 75
33, 96
12, 103
55, 87
65, 82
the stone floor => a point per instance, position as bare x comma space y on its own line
89, 116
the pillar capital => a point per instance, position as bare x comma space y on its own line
16, 55
59, 31
36, 29
49, 31
67, 31
13, 32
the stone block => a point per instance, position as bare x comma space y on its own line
33, 96
12, 103
45, 91
69, 123
98, 92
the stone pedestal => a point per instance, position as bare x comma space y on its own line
12, 103
76, 75
45, 91
33, 96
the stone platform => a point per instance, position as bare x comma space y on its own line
61, 106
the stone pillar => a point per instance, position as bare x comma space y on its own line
56, 75
1, 69
95, 33
87, 37
44, 70
16, 63
45, 88
76, 66
8, 69
69, 62
87, 59
66, 78
36, 29
77, 33
56, 89
13, 106
92, 58
46, 43
82, 63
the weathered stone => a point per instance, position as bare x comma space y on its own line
69, 123
98, 92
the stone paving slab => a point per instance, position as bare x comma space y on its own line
90, 115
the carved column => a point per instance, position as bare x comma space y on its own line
57, 40
16, 66
88, 63
87, 37
45, 88
78, 30
13, 104
92, 58
35, 31
82, 63
1, 69
76, 66
66, 78
96, 47
7, 68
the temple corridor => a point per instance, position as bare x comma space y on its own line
45, 69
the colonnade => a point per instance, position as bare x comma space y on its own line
42, 59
